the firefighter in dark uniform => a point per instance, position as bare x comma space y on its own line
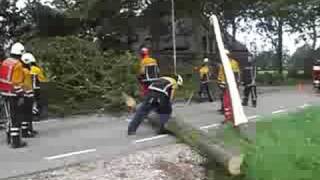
159, 98
249, 83
204, 72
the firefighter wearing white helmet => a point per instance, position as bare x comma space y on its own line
11, 86
204, 73
160, 97
17, 49
28, 87
38, 78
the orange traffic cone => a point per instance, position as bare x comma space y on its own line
300, 87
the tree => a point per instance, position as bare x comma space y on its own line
266, 60
46, 21
273, 18
303, 58
306, 20
11, 20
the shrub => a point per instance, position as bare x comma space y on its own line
84, 76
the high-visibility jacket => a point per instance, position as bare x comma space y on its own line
149, 69
38, 76
27, 83
11, 77
204, 73
165, 85
235, 68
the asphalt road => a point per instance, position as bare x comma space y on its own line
68, 141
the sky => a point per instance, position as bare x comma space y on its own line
247, 37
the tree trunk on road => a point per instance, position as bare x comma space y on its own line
200, 141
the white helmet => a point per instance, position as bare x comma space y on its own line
179, 80
28, 58
17, 49
227, 51
205, 60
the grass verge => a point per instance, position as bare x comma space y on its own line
286, 147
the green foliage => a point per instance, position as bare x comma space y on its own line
303, 58
288, 147
84, 75
270, 78
11, 20
50, 22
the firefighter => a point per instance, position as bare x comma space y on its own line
204, 72
226, 107
38, 77
249, 83
11, 86
27, 126
148, 71
160, 97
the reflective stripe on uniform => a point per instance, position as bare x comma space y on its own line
14, 129
5, 81
8, 94
158, 89
14, 134
29, 93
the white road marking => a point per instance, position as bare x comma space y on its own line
46, 121
279, 111
128, 120
304, 106
70, 154
150, 139
210, 126
253, 117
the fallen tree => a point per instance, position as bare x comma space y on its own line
82, 77
201, 142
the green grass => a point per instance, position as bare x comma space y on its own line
286, 147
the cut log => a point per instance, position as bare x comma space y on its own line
201, 142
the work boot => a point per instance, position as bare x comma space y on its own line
8, 137
131, 133
31, 132
162, 130
254, 103
221, 111
24, 131
17, 143
245, 102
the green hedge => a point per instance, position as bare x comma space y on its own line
83, 77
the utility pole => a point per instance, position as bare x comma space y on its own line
174, 35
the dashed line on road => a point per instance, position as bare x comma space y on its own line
253, 117
151, 138
46, 121
279, 111
70, 154
304, 106
210, 126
